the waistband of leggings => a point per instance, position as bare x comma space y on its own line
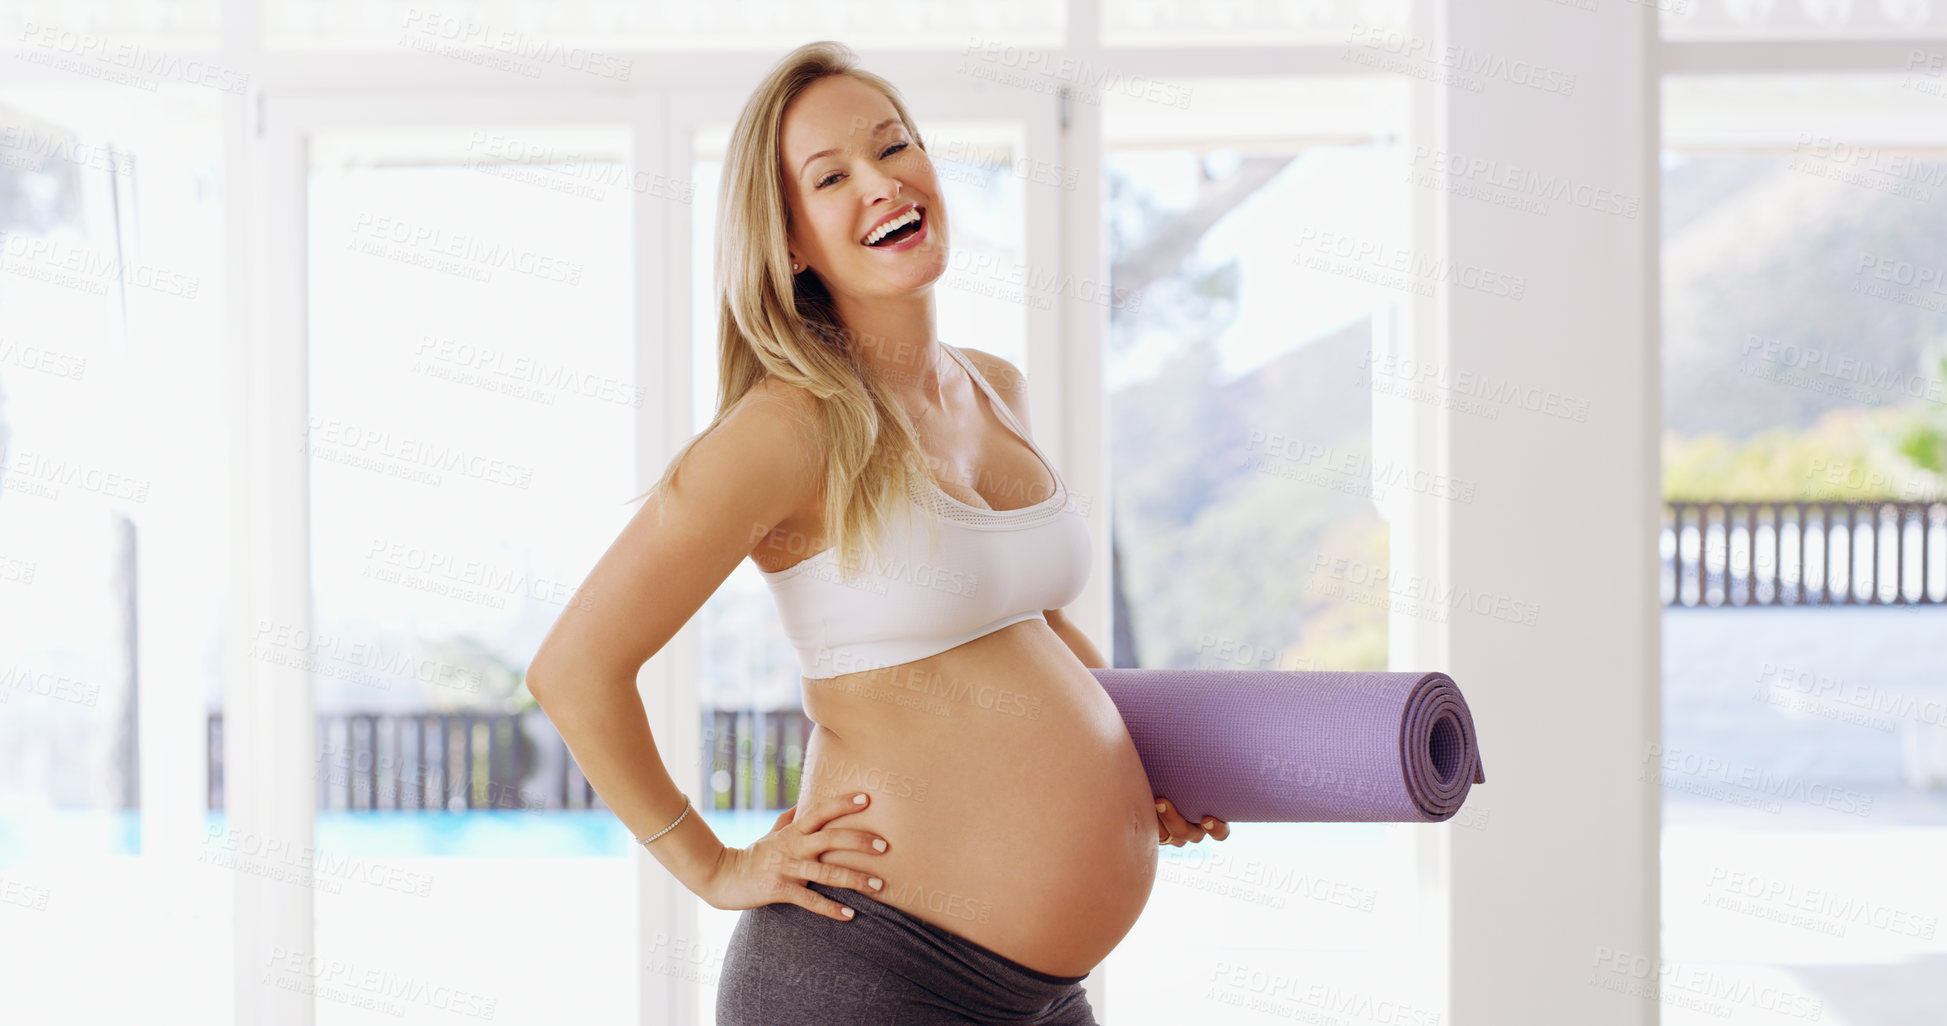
856, 899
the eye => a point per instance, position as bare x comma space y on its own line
890, 150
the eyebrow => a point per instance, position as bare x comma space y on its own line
876, 129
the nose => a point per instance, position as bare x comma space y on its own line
884, 186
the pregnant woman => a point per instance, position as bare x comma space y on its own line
975, 831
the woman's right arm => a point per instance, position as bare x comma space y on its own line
739, 482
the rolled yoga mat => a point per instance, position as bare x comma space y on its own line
1301, 746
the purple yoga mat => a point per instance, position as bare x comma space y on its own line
1301, 746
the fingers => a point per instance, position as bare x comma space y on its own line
813, 844
831, 808
820, 904
777, 867
816, 840
839, 876
1181, 831
853, 840
833, 876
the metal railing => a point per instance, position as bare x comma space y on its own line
463, 761
1742, 553
756, 757
1714, 554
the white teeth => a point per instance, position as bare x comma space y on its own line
904, 219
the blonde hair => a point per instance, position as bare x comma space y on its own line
772, 322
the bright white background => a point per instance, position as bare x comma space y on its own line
266, 132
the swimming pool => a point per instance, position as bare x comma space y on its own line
51, 834
55, 834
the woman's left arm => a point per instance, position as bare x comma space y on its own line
1009, 383
1077, 642
1175, 829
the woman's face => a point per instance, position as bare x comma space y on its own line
874, 170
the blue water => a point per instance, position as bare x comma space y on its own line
1713, 660
59, 833
497, 832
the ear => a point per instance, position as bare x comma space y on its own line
791, 254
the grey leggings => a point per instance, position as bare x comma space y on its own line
886, 967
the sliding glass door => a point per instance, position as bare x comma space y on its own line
490, 324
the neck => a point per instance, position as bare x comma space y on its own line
914, 371
894, 336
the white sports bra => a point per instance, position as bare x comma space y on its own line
992, 568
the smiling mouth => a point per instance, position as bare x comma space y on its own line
900, 234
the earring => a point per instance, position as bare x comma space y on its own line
794, 268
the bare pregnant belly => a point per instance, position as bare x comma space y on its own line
1015, 807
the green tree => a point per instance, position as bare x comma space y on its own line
1857, 453
1923, 442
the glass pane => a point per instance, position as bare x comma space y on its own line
1243, 459
1803, 19
747, 673
536, 39
116, 40
1240, 22
989, 287
1804, 238
473, 409
115, 544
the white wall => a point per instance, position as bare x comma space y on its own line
1563, 880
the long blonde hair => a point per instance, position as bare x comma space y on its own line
770, 321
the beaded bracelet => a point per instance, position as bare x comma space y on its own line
672, 826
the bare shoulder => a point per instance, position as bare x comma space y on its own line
776, 397
753, 470
778, 428
775, 426
1007, 379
